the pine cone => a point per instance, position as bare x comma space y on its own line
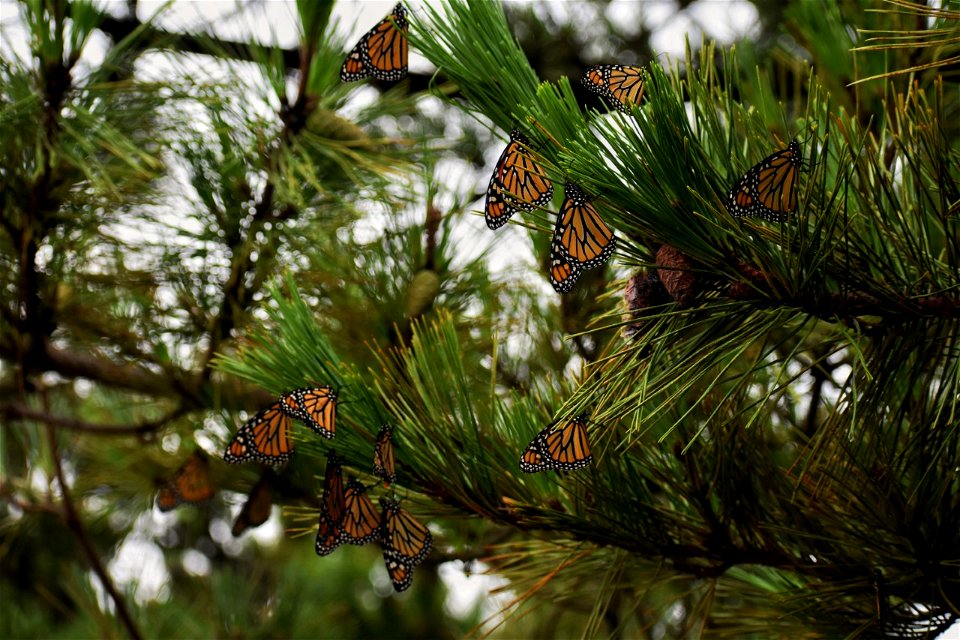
676, 274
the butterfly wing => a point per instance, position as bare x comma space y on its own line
256, 510
399, 570
192, 483
403, 534
580, 233
167, 498
332, 506
264, 438
563, 271
563, 447
622, 85
769, 189
382, 52
383, 462
361, 521
317, 408
518, 183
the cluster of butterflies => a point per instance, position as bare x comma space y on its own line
192, 484
347, 515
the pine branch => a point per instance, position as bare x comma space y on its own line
17, 410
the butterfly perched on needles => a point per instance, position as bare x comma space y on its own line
383, 464
562, 446
315, 407
361, 521
769, 189
256, 510
623, 86
405, 542
581, 239
332, 506
264, 438
191, 483
517, 184
382, 52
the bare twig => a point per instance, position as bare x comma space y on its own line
73, 521
17, 410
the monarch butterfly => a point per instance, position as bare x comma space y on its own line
621, 85
563, 271
402, 534
564, 448
769, 189
256, 510
580, 234
383, 465
332, 506
317, 408
405, 543
381, 52
517, 184
191, 483
361, 522
265, 438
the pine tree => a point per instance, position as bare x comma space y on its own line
773, 407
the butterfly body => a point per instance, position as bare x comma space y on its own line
562, 446
622, 85
769, 189
382, 52
517, 184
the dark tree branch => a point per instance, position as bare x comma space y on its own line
74, 522
20, 411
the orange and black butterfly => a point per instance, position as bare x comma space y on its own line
769, 189
621, 85
517, 184
562, 446
564, 272
191, 483
265, 438
581, 239
256, 510
383, 465
405, 543
382, 51
332, 506
315, 407
361, 522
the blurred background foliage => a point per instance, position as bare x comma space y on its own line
194, 221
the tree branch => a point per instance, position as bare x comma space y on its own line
20, 411
73, 521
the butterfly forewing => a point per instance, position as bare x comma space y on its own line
382, 52
580, 232
332, 506
383, 462
622, 85
769, 189
518, 183
315, 407
264, 438
256, 510
361, 521
560, 446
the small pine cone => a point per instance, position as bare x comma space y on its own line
643, 290
676, 274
